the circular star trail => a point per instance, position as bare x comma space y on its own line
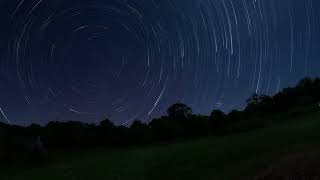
131, 59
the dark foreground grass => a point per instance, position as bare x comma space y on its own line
230, 157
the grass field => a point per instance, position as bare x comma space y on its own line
230, 157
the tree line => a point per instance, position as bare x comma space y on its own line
23, 144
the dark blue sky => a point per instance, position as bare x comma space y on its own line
126, 59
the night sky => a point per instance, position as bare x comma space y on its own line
86, 60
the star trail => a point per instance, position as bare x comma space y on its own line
131, 59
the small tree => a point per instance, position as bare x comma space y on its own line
139, 132
218, 118
179, 110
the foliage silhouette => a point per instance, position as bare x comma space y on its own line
17, 144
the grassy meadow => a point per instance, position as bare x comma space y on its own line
229, 157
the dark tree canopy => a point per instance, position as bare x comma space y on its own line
179, 110
180, 123
107, 124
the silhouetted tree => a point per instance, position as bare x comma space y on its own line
218, 119
164, 129
106, 132
139, 132
236, 116
305, 82
259, 105
18, 144
179, 110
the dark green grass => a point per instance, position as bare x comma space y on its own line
229, 157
